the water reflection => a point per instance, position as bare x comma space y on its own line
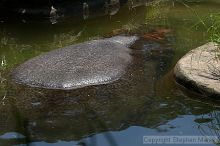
146, 101
70, 115
47, 115
58, 10
209, 124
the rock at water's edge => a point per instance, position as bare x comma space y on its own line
200, 70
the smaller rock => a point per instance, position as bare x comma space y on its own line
200, 70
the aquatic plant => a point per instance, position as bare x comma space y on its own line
211, 24
211, 127
214, 29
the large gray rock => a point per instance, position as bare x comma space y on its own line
90, 63
199, 70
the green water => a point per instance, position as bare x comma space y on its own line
148, 102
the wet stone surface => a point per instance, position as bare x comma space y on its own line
90, 63
199, 70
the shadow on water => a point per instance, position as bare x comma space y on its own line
146, 98
58, 10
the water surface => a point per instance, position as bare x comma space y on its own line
146, 101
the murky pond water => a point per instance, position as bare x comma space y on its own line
144, 102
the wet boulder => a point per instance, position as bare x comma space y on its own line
90, 63
199, 70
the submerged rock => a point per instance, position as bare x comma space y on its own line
200, 70
90, 63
